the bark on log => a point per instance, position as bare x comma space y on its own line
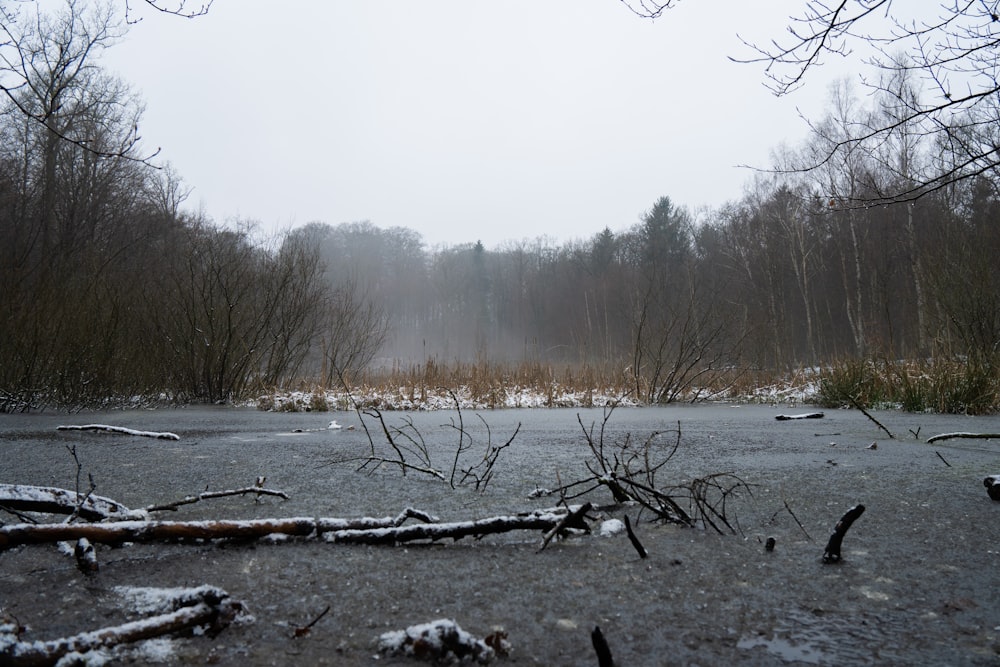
807, 415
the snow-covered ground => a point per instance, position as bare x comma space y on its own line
792, 391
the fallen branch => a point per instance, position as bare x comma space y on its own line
807, 415
51, 500
962, 434
366, 530
122, 430
206, 606
856, 403
544, 520
832, 552
207, 495
801, 527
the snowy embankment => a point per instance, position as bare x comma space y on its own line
406, 398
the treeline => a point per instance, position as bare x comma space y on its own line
112, 289
800, 272
109, 289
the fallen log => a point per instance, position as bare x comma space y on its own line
807, 415
121, 430
205, 606
52, 500
365, 530
962, 434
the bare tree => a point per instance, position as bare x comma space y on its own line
950, 48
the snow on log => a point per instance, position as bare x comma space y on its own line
51, 500
949, 436
992, 484
443, 641
544, 520
206, 606
151, 531
121, 429
805, 415
365, 530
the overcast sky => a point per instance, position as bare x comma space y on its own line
464, 120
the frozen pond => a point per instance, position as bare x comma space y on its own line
915, 587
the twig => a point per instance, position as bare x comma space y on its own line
858, 405
207, 495
942, 458
801, 527
304, 630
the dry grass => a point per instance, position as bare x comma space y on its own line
944, 385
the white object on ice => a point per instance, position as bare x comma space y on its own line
441, 640
612, 527
334, 426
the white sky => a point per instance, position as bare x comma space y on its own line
461, 119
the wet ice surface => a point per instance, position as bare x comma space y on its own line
916, 585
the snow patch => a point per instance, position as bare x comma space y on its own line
442, 641
612, 527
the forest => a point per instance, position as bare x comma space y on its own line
113, 289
